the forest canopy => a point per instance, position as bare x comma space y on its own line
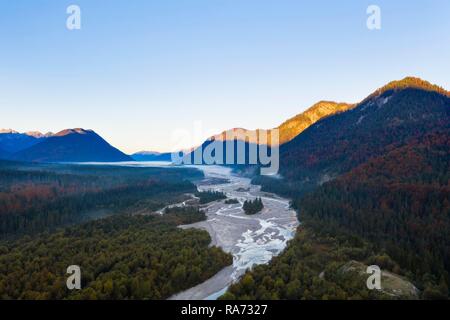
39, 197
121, 257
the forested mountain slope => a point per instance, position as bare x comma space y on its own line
387, 119
372, 185
399, 201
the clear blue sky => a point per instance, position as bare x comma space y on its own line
137, 70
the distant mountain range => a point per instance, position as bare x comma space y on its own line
151, 156
12, 141
286, 131
316, 145
330, 129
70, 145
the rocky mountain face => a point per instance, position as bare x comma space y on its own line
288, 129
293, 127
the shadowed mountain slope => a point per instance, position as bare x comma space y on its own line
72, 145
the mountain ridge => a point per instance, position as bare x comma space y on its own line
72, 145
382, 121
411, 83
290, 128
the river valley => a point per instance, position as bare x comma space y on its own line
251, 239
